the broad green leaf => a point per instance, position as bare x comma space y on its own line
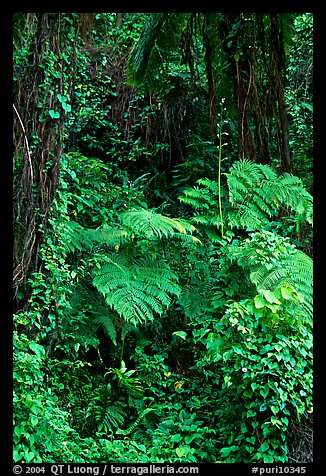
34, 420
37, 348
180, 451
259, 301
268, 459
54, 114
181, 334
286, 292
270, 297
190, 438
308, 106
66, 107
29, 455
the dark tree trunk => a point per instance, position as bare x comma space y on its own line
277, 68
247, 147
118, 20
212, 109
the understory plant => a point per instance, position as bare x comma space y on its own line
262, 349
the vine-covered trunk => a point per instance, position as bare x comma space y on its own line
39, 95
263, 126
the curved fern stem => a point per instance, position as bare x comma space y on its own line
219, 171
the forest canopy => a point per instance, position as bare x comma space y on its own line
162, 239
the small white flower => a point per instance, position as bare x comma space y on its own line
244, 369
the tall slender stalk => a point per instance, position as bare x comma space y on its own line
219, 169
123, 337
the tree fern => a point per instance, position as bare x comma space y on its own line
255, 194
205, 202
111, 236
296, 271
75, 237
150, 223
137, 289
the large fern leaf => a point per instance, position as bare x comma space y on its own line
257, 193
77, 237
151, 223
296, 270
138, 289
136, 423
89, 311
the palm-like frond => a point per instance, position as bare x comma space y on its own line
111, 418
108, 416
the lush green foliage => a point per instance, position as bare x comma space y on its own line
263, 351
168, 317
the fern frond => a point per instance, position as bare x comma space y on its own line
273, 261
296, 272
109, 235
75, 237
256, 194
103, 318
112, 418
210, 184
137, 289
136, 423
92, 312
199, 198
191, 301
151, 223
